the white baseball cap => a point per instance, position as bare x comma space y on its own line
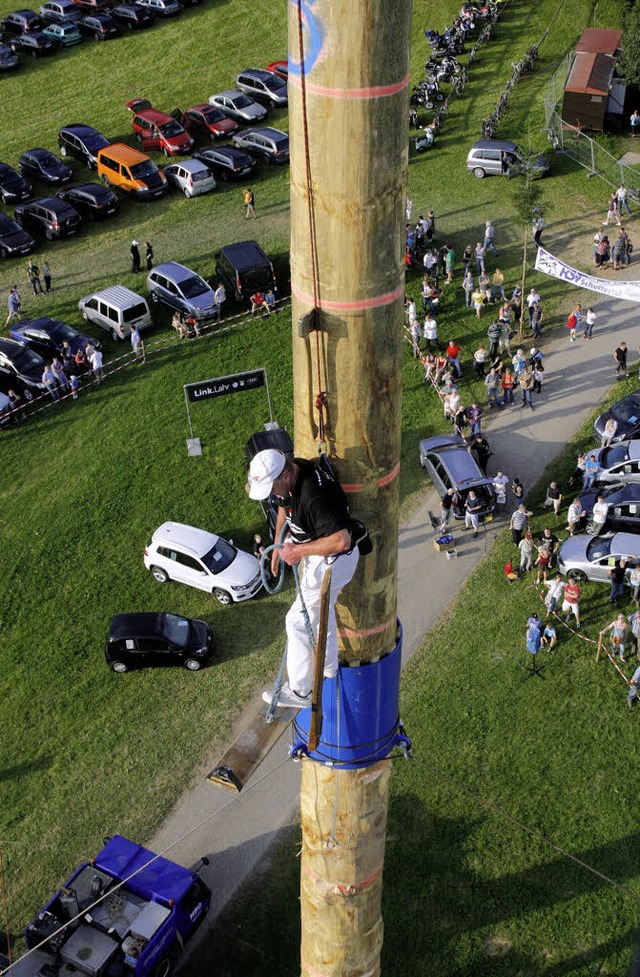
265, 467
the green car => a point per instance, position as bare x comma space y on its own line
63, 34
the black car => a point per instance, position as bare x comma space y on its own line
269, 144
36, 45
21, 369
272, 437
227, 162
92, 200
99, 26
49, 216
265, 86
8, 58
82, 142
13, 187
245, 269
133, 16
627, 413
147, 639
46, 336
40, 164
21, 22
623, 502
14, 241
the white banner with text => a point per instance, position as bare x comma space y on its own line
550, 265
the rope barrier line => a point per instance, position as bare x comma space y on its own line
155, 856
44, 402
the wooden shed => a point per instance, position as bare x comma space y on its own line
588, 87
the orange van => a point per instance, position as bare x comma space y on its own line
128, 169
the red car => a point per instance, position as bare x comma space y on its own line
157, 130
280, 68
208, 120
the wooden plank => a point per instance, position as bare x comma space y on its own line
253, 744
315, 725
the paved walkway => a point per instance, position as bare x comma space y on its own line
577, 375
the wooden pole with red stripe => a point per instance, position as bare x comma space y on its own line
348, 109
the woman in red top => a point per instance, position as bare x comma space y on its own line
508, 380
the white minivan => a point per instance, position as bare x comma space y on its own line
116, 309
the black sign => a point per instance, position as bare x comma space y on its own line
221, 386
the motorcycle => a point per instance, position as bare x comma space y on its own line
424, 140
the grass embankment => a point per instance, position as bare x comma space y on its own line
84, 753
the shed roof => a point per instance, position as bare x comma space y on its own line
596, 41
591, 73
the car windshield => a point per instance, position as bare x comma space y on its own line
200, 175
176, 629
26, 361
275, 84
60, 331
242, 102
97, 141
627, 410
282, 143
615, 455
134, 312
214, 115
47, 159
192, 287
8, 226
598, 548
220, 557
171, 128
143, 170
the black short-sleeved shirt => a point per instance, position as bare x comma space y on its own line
446, 501
317, 506
618, 573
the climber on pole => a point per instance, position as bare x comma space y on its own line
322, 533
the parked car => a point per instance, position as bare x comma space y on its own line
276, 437
280, 68
227, 162
238, 106
207, 120
36, 45
499, 157
627, 413
46, 336
49, 216
203, 560
623, 502
133, 16
101, 27
147, 639
65, 35
117, 310
129, 170
191, 176
244, 268
13, 187
82, 142
162, 8
21, 22
619, 462
21, 369
181, 289
583, 557
14, 240
450, 466
40, 164
93, 6
92, 200
157, 130
265, 86
8, 58
267, 143
60, 11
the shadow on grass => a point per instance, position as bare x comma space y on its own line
23, 769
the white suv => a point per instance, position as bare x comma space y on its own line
203, 560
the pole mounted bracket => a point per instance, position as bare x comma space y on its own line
308, 323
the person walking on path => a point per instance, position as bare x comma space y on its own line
620, 359
446, 506
314, 508
34, 277
589, 321
612, 212
472, 509
13, 304
489, 243
135, 257
148, 253
137, 345
249, 204
46, 274
621, 194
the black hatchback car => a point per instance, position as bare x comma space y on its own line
21, 22
13, 187
40, 164
133, 16
624, 506
49, 216
82, 142
91, 200
99, 26
147, 639
21, 369
8, 58
36, 45
46, 336
14, 241
245, 269
227, 162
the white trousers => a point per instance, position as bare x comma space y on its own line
299, 653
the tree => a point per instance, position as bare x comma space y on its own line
629, 63
526, 196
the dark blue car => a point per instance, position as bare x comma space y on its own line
627, 415
46, 336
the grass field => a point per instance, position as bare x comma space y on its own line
84, 752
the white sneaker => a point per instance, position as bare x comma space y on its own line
288, 699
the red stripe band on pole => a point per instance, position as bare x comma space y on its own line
344, 888
372, 303
382, 481
363, 632
374, 91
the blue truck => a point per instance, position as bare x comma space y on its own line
125, 913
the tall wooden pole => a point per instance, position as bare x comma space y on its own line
348, 107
